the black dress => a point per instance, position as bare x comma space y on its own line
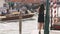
41, 14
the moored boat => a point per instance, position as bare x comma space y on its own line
16, 15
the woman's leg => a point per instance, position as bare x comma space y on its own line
40, 25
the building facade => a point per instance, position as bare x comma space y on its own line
1, 3
25, 1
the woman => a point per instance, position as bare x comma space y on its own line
41, 17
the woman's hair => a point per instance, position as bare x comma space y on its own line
42, 6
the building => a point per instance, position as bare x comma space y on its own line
1, 3
26, 1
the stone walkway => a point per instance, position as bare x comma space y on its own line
29, 26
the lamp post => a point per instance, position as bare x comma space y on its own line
46, 27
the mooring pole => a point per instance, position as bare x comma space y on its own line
46, 27
20, 23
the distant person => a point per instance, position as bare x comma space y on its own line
7, 11
41, 17
3, 11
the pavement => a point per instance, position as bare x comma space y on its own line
29, 26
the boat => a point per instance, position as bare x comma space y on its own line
56, 26
16, 15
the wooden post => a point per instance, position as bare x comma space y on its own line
20, 23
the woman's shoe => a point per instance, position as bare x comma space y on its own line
39, 32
